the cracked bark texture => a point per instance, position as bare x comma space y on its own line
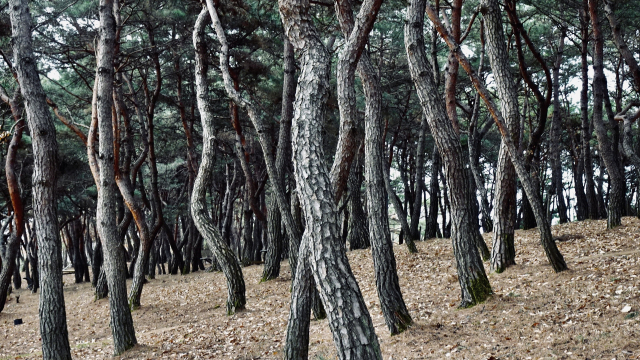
544, 227
357, 31
236, 299
349, 319
503, 249
358, 232
262, 131
114, 256
52, 314
474, 284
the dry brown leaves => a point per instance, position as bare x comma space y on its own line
591, 311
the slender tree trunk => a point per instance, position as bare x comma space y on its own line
236, 299
114, 255
586, 133
417, 202
434, 195
555, 143
474, 284
356, 31
275, 235
357, 222
17, 230
553, 255
503, 249
616, 175
52, 314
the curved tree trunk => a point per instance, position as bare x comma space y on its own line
13, 244
474, 284
349, 319
553, 255
236, 299
503, 249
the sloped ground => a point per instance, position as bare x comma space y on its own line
535, 314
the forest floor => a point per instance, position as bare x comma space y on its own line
591, 311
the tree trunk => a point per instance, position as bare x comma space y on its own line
420, 154
592, 201
553, 255
52, 314
555, 141
473, 280
236, 299
349, 319
616, 175
503, 249
276, 236
114, 256
12, 249
434, 195
357, 222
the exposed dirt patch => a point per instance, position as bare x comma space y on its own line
534, 313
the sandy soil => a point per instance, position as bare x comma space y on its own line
582, 313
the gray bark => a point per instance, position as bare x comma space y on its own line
474, 284
349, 319
52, 314
236, 299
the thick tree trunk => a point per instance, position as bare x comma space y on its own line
52, 314
349, 319
236, 299
473, 280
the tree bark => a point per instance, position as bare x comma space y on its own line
17, 230
616, 174
357, 222
555, 143
349, 319
275, 235
114, 257
553, 255
503, 249
434, 195
236, 299
474, 284
586, 130
52, 314
357, 31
